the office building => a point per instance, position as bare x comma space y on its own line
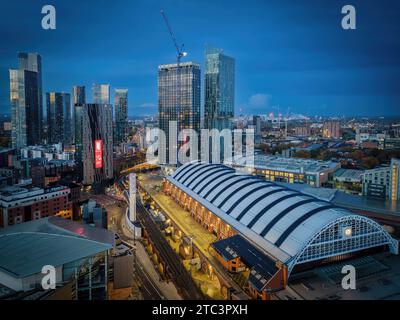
97, 145
59, 117
121, 115
101, 93
171, 103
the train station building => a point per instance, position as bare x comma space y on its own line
268, 229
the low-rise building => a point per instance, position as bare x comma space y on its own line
22, 204
382, 182
70, 247
349, 180
291, 170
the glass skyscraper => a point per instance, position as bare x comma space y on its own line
78, 100
101, 93
18, 110
169, 98
219, 100
59, 117
26, 100
121, 114
78, 95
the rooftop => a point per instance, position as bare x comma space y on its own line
295, 165
348, 175
347, 200
27, 247
262, 267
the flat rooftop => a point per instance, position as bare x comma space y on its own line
348, 175
294, 165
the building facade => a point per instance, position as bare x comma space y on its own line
288, 170
219, 100
59, 117
78, 95
97, 144
31, 63
382, 182
18, 205
101, 93
331, 129
171, 103
121, 115
26, 100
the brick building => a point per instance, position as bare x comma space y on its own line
18, 205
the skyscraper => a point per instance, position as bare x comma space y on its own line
101, 93
78, 95
169, 98
78, 100
219, 90
121, 114
33, 62
59, 117
26, 100
97, 157
18, 110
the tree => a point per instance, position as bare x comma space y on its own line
302, 154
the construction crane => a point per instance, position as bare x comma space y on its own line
180, 53
179, 48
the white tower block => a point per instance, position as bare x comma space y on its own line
132, 197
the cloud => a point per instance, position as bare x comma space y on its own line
259, 100
148, 105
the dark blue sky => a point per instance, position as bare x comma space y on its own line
288, 53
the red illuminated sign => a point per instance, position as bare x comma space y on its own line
98, 154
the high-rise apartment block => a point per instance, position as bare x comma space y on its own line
101, 93
59, 117
331, 129
26, 100
97, 143
121, 115
219, 100
78, 95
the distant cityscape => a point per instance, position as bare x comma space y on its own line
78, 193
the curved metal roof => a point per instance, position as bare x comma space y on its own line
278, 219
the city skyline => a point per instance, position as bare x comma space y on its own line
354, 73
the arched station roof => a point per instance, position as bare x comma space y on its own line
281, 221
